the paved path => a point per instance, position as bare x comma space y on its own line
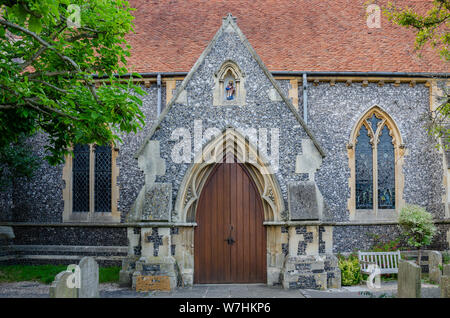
389, 289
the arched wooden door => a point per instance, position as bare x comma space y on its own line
230, 238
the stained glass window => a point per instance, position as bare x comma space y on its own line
373, 121
386, 171
375, 183
81, 178
364, 171
102, 190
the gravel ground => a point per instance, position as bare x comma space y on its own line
388, 289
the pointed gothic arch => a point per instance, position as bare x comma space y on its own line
216, 151
376, 155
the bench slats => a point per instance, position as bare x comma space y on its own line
387, 261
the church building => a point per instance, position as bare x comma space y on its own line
277, 136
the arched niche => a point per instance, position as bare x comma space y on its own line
230, 144
229, 72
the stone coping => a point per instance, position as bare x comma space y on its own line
193, 224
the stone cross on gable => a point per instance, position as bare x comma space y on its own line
156, 240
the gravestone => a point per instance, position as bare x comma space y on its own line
446, 270
89, 278
409, 284
445, 286
149, 283
155, 273
60, 288
434, 264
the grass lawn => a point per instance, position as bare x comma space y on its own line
46, 273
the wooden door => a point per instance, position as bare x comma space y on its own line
230, 238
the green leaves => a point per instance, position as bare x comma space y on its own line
46, 82
417, 226
432, 27
35, 25
350, 270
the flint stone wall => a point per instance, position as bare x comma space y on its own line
333, 111
259, 112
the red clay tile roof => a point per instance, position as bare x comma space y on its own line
288, 35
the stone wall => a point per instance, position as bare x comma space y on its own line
131, 178
333, 111
40, 199
70, 235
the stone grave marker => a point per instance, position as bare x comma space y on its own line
446, 270
60, 287
89, 278
445, 286
409, 284
434, 263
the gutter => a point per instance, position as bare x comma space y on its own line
158, 84
363, 74
305, 99
300, 73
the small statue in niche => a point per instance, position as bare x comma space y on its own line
230, 90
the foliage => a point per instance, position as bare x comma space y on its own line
16, 161
109, 274
46, 273
47, 66
425, 278
438, 124
350, 270
432, 27
446, 258
381, 245
417, 225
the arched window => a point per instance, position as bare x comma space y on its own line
376, 156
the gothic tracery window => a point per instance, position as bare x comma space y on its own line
377, 152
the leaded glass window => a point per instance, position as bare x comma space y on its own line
374, 165
386, 171
92, 178
102, 191
81, 178
364, 171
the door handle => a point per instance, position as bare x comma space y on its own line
230, 239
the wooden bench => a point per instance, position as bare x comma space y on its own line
386, 261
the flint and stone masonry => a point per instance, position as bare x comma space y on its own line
305, 190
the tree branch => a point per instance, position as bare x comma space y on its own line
51, 74
39, 107
82, 36
8, 106
42, 48
63, 57
42, 41
51, 86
